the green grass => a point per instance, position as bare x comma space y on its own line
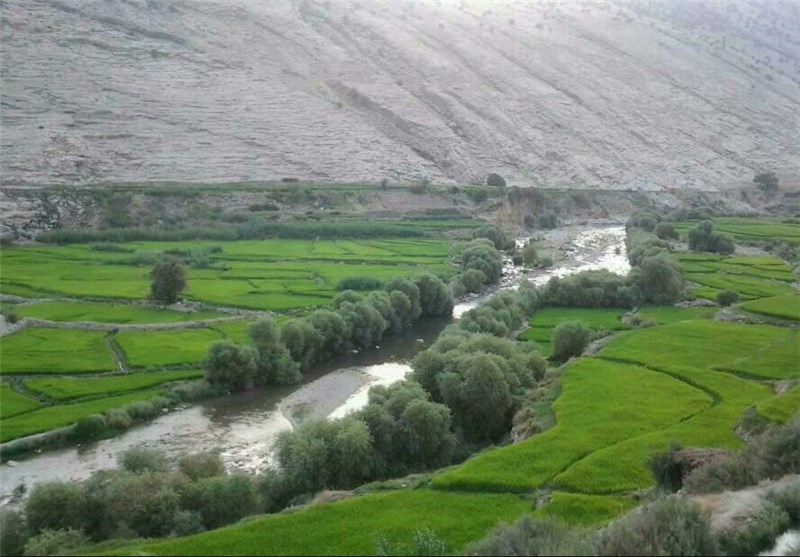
747, 287
664, 315
350, 527
276, 275
72, 388
546, 319
601, 403
750, 229
780, 408
54, 351
108, 313
578, 509
784, 307
52, 417
166, 348
13, 403
765, 351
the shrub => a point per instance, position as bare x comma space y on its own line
666, 231
570, 339
703, 238
359, 283
118, 418
425, 542
139, 459
111, 248
669, 526
495, 180
221, 500
13, 532
667, 473
788, 499
230, 367
757, 534
89, 427
766, 181
11, 317
56, 542
499, 238
56, 505
727, 298
478, 195
202, 465
658, 279
531, 537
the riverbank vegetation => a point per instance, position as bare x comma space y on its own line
618, 350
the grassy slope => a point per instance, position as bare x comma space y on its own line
784, 307
13, 403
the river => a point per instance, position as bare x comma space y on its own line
244, 426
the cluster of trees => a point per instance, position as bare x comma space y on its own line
144, 498
703, 238
481, 260
355, 320
503, 313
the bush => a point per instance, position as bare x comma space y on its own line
230, 367
757, 534
703, 238
111, 248
531, 537
89, 428
666, 472
359, 283
495, 181
139, 459
56, 542
570, 339
499, 238
658, 280
589, 289
766, 181
478, 195
11, 317
425, 542
727, 298
202, 465
788, 499
666, 231
57, 505
13, 532
221, 500
435, 298
669, 526
118, 418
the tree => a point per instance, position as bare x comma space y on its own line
302, 340
658, 279
168, 279
666, 231
766, 181
570, 339
411, 290
435, 298
727, 298
703, 238
274, 363
230, 367
495, 180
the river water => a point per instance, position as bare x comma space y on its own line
244, 426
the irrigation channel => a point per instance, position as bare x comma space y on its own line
244, 426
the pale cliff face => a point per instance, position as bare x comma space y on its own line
610, 94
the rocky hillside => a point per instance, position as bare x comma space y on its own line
618, 94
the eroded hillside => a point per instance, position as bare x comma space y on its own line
606, 94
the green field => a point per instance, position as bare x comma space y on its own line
274, 275
750, 229
578, 509
780, 408
350, 527
664, 315
63, 389
108, 313
543, 323
54, 351
13, 403
166, 348
52, 417
784, 307
601, 403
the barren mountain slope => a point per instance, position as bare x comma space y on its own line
623, 94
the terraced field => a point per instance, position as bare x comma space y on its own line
108, 313
750, 277
783, 307
275, 275
751, 229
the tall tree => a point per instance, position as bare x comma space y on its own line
168, 279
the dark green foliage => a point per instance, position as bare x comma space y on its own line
359, 283
770, 455
139, 459
667, 473
89, 428
531, 537
409, 432
640, 244
13, 532
547, 220
666, 231
302, 340
274, 363
435, 298
727, 298
324, 454
347, 296
334, 334
221, 500
669, 526
757, 534
230, 367
570, 339
56, 505
703, 238
499, 238
495, 180
766, 181
411, 290
111, 248
658, 280
365, 323
201, 465
529, 255
481, 255
788, 499
477, 195
168, 280
589, 289
56, 542
644, 220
